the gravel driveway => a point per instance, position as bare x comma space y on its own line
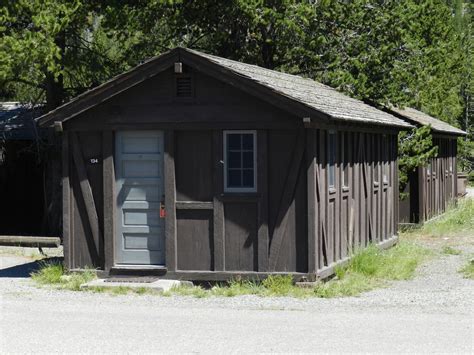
432, 313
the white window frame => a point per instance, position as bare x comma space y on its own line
241, 189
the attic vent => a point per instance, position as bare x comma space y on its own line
184, 86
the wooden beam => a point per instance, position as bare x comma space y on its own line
218, 215
262, 186
108, 181
87, 195
170, 203
194, 205
66, 201
29, 241
287, 197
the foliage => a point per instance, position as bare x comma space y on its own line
415, 148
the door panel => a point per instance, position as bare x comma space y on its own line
140, 230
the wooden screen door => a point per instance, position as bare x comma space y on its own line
139, 189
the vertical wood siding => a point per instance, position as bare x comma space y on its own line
350, 217
437, 188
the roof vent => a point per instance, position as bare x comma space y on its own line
184, 86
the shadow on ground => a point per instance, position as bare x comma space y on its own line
24, 270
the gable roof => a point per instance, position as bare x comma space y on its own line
296, 94
421, 118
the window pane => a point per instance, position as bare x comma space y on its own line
234, 178
233, 160
248, 160
247, 141
331, 175
248, 178
332, 158
233, 142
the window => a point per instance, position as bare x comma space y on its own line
345, 159
331, 159
385, 158
376, 155
240, 153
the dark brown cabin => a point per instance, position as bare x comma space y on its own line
432, 188
206, 168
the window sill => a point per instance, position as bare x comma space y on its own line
332, 190
345, 189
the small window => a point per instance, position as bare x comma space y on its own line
331, 159
385, 158
428, 168
240, 153
376, 161
345, 159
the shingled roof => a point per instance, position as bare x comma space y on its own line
307, 93
421, 118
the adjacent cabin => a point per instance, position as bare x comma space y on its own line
432, 188
24, 174
203, 168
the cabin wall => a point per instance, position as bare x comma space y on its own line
361, 211
219, 231
437, 187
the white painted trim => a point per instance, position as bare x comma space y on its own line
241, 189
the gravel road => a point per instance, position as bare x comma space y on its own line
431, 314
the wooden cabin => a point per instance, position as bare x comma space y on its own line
432, 188
202, 168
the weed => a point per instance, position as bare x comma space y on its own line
468, 270
48, 273
121, 290
451, 251
52, 273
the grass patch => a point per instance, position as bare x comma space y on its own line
455, 220
368, 268
468, 270
53, 274
451, 251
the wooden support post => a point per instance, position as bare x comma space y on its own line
262, 185
67, 210
170, 203
108, 181
218, 215
311, 185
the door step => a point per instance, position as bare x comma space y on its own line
138, 270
